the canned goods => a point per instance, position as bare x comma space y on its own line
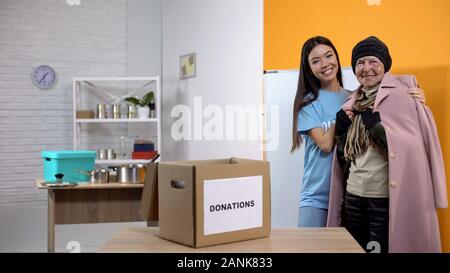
115, 110
102, 154
101, 111
131, 111
111, 154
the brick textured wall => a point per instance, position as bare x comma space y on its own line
88, 40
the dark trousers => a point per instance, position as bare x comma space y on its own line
367, 220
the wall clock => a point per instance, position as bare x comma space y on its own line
43, 76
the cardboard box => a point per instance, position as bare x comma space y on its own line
149, 202
85, 114
212, 202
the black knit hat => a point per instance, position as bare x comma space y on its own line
372, 46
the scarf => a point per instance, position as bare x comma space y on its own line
358, 140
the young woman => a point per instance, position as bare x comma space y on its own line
319, 97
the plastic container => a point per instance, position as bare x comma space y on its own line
68, 163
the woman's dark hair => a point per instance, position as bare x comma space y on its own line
308, 85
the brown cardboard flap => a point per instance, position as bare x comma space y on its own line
149, 202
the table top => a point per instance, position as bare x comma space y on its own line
283, 240
41, 184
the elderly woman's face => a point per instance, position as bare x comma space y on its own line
369, 71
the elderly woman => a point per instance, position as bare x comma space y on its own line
388, 173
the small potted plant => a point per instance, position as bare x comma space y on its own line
142, 105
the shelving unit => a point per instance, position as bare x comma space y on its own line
79, 82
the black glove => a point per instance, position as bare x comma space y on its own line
370, 118
342, 123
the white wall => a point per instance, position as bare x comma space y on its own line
144, 38
227, 37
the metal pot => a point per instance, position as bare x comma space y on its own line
100, 176
130, 173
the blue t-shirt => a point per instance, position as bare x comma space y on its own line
317, 164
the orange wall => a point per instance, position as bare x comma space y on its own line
416, 31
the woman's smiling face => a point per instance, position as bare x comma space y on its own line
323, 63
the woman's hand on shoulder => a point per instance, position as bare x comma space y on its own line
417, 93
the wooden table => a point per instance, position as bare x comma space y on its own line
296, 240
90, 203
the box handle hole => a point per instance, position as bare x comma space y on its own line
178, 184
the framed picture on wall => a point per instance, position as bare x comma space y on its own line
188, 65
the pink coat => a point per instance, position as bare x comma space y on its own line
417, 184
